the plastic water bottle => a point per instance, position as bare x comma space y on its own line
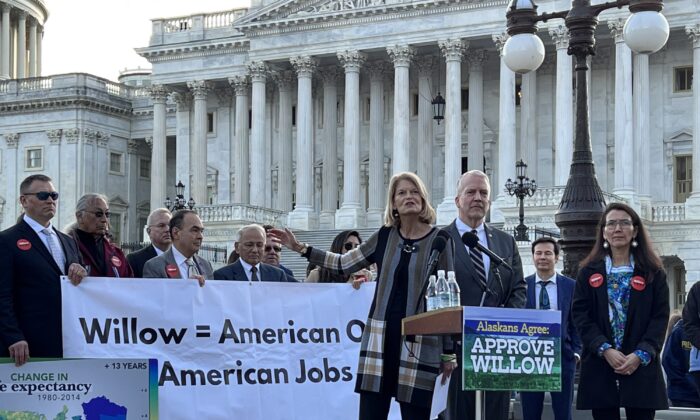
431, 297
454, 289
443, 290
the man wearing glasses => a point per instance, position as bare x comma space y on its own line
33, 255
250, 245
100, 256
273, 252
158, 229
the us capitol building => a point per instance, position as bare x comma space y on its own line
297, 112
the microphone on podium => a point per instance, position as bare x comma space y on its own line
472, 241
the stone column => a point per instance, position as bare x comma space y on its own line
6, 8
159, 95
452, 49
21, 44
39, 38
13, 160
329, 192
351, 214
183, 101
32, 47
624, 139
375, 208
258, 75
564, 107
285, 83
303, 217
198, 190
506, 133
424, 154
476, 110
642, 150
240, 148
132, 177
692, 204
401, 55
223, 144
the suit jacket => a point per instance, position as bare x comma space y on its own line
647, 315
138, 259
156, 267
571, 342
510, 292
30, 291
289, 273
235, 271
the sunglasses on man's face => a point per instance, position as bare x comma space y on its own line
349, 246
100, 214
277, 249
44, 195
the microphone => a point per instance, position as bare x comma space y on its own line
438, 246
472, 241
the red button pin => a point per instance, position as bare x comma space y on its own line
24, 245
116, 261
172, 271
638, 283
595, 280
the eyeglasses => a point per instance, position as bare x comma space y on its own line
100, 214
623, 223
269, 248
44, 195
159, 225
350, 246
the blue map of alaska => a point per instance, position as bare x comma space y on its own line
101, 408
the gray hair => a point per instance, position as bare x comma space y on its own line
155, 213
246, 228
86, 200
473, 172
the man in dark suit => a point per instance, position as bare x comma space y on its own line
181, 260
33, 256
250, 246
481, 282
158, 229
548, 290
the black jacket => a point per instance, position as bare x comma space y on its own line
138, 259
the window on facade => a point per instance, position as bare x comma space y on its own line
414, 104
210, 122
250, 119
145, 168
465, 99
683, 178
518, 93
115, 162
367, 110
294, 116
115, 227
34, 159
143, 221
682, 79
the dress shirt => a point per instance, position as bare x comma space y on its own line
158, 251
248, 272
551, 291
36, 227
181, 262
481, 233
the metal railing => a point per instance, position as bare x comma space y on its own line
213, 254
535, 233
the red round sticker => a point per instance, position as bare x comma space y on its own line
638, 283
116, 261
595, 280
24, 245
172, 271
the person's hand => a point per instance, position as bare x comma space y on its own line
199, 278
446, 368
20, 352
286, 238
630, 365
76, 273
360, 277
614, 358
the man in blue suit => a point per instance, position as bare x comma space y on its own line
250, 246
548, 290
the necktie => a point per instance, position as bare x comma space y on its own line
544, 295
191, 268
55, 249
254, 273
478, 261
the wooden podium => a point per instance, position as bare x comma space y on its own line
446, 321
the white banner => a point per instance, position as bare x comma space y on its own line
228, 349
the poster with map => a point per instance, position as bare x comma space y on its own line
79, 389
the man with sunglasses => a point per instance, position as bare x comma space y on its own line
101, 257
158, 229
250, 245
273, 252
33, 256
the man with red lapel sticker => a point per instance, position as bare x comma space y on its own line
101, 257
33, 255
620, 310
181, 260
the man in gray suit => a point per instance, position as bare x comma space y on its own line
479, 279
181, 260
250, 246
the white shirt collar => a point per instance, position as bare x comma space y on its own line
177, 255
158, 251
36, 226
480, 230
247, 267
552, 279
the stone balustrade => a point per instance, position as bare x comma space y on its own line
668, 213
236, 213
193, 27
9, 89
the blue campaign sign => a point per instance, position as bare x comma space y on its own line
511, 349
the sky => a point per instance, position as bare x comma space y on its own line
99, 36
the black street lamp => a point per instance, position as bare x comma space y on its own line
179, 203
645, 32
525, 187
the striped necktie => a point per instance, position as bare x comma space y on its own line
55, 249
478, 261
544, 295
191, 268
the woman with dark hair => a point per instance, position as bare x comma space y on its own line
620, 309
345, 241
391, 366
